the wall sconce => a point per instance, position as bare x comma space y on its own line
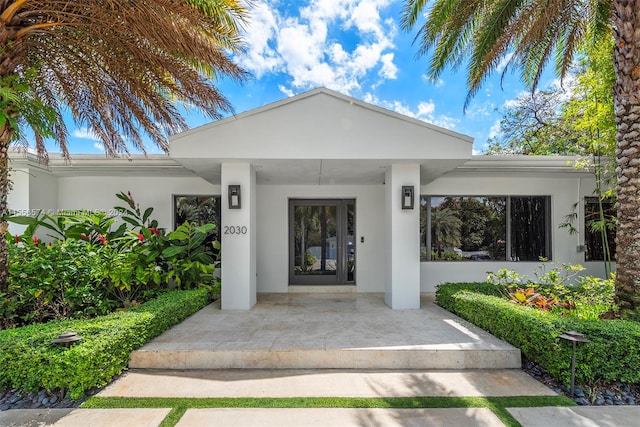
407, 197
234, 197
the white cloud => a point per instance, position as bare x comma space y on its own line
98, 146
438, 83
425, 111
567, 86
299, 45
85, 133
286, 90
495, 129
480, 111
504, 62
389, 69
510, 103
260, 56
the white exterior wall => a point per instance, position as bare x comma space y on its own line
40, 190
564, 190
43, 191
18, 198
273, 232
33, 190
99, 192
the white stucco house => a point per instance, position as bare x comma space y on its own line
321, 192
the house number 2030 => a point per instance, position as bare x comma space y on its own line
235, 229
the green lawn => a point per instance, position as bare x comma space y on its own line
180, 405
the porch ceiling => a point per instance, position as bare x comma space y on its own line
319, 171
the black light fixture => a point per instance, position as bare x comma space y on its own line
573, 337
234, 197
407, 197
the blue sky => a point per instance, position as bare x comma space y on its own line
355, 47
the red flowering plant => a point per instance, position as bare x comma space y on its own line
93, 226
99, 261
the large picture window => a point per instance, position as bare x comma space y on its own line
599, 229
485, 228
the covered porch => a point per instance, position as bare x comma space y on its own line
326, 331
320, 150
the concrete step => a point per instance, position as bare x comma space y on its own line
354, 358
280, 383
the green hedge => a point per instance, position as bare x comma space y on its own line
29, 361
612, 355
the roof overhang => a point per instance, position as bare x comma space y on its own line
521, 165
96, 165
302, 172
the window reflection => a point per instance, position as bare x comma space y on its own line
482, 228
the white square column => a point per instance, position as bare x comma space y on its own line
402, 288
238, 237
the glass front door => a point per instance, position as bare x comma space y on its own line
321, 242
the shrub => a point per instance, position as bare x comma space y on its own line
99, 262
54, 281
29, 361
586, 298
612, 355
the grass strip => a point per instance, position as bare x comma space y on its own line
173, 417
98, 402
180, 405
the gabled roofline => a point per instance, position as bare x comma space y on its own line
329, 92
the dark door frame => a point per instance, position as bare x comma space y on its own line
341, 276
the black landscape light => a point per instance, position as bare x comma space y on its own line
574, 337
66, 338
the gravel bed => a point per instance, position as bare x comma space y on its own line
57, 399
15, 399
598, 395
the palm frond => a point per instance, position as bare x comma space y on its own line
121, 68
482, 34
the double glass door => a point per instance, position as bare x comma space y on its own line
321, 242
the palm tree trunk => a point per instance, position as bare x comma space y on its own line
627, 106
5, 186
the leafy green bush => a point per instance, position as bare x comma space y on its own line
52, 281
587, 297
100, 262
29, 361
612, 355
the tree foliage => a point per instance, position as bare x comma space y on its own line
118, 68
530, 35
572, 117
480, 34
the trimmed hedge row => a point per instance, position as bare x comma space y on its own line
29, 361
612, 355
